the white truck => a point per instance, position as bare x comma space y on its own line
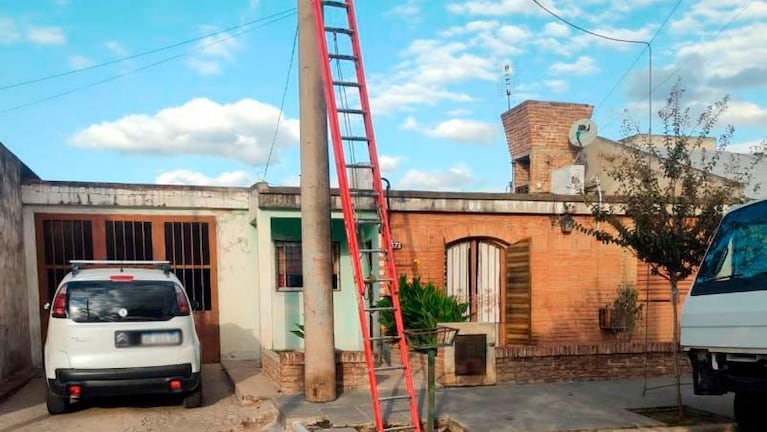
724, 318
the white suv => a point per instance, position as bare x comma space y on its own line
119, 330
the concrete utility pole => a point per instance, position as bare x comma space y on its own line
319, 341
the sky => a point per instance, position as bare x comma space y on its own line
179, 92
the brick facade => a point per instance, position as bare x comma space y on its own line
514, 364
536, 133
572, 274
563, 363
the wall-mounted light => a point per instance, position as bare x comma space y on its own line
566, 222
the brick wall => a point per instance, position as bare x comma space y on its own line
526, 364
572, 274
514, 364
540, 129
286, 370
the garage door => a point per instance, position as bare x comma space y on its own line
189, 244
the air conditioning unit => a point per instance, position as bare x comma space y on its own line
568, 180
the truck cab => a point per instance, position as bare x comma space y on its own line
724, 318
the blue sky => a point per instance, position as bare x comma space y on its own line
205, 112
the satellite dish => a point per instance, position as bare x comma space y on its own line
582, 133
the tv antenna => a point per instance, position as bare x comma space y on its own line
507, 81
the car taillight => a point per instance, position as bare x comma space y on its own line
59, 309
121, 278
181, 302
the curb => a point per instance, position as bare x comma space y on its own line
711, 427
15, 383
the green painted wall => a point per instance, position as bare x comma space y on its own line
287, 307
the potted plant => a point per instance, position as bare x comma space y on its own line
622, 314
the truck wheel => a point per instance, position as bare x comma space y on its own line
749, 412
56, 404
194, 398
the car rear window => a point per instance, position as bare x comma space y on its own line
107, 301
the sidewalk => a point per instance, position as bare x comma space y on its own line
579, 406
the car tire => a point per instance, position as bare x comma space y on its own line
749, 412
193, 399
56, 404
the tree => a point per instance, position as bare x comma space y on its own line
670, 201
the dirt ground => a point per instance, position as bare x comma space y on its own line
25, 412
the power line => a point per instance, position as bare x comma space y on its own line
641, 53
282, 14
282, 104
139, 69
584, 30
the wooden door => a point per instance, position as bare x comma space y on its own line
188, 242
518, 294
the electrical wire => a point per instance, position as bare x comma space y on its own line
585, 30
284, 14
139, 69
282, 105
641, 53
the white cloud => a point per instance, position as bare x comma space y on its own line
391, 97
465, 131
116, 48
80, 62
389, 164
9, 33
205, 67
556, 85
499, 7
50, 35
455, 178
213, 51
584, 65
409, 124
556, 29
242, 131
741, 113
188, 177
407, 9
423, 79
470, 27
459, 112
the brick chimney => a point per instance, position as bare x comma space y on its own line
537, 136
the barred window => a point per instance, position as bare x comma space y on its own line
290, 265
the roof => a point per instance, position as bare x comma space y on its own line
104, 273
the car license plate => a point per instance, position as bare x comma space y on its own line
161, 338
137, 338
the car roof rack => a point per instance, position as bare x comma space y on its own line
77, 265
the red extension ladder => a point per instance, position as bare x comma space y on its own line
361, 190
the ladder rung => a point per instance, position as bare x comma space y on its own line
363, 192
359, 165
388, 368
408, 427
338, 4
339, 30
350, 111
374, 250
379, 309
379, 280
395, 397
377, 338
342, 57
368, 222
346, 84
354, 138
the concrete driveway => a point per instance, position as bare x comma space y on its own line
25, 411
